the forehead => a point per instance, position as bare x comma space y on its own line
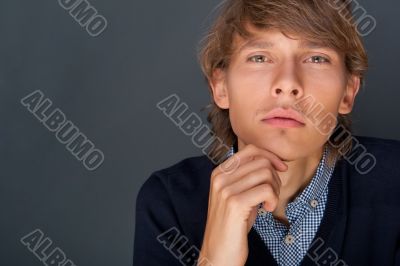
271, 38
268, 43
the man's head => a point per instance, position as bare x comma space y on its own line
265, 54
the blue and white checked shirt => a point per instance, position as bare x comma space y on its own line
289, 245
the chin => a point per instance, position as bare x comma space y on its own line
284, 149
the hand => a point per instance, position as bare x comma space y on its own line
233, 200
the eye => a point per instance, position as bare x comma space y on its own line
257, 59
317, 59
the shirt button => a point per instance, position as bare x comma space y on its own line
289, 239
262, 212
314, 203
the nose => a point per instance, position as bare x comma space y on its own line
294, 91
287, 82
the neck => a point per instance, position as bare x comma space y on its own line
299, 174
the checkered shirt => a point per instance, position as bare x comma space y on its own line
289, 244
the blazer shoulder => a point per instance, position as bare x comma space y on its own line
379, 144
385, 152
381, 157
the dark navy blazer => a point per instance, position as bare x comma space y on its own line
361, 223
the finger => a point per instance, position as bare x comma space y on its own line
253, 197
244, 169
253, 179
274, 172
249, 153
275, 160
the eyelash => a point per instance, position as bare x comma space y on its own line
250, 59
326, 60
322, 57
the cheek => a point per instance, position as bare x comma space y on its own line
327, 89
247, 92
248, 86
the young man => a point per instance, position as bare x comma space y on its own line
296, 188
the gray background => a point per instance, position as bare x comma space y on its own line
109, 86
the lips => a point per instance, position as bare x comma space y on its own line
282, 116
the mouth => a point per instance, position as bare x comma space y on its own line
283, 122
286, 118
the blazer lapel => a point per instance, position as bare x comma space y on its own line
330, 235
259, 254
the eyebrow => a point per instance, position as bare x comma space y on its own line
259, 44
263, 44
313, 44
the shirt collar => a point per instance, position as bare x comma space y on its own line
318, 183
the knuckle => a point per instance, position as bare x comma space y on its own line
274, 200
217, 183
225, 193
266, 162
267, 189
262, 160
266, 172
230, 165
214, 174
251, 147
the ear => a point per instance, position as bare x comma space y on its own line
352, 88
219, 89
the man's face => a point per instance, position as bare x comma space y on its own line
271, 71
